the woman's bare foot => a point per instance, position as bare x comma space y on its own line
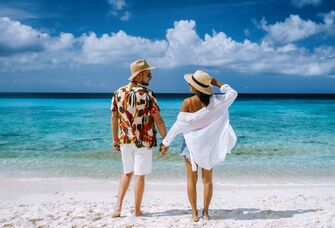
138, 213
195, 216
116, 214
205, 215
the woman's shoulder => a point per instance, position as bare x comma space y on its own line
185, 105
188, 103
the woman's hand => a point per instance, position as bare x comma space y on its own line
215, 82
163, 149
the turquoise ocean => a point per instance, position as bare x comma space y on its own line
280, 139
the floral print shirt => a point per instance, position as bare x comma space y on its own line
135, 105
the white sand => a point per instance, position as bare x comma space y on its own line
89, 203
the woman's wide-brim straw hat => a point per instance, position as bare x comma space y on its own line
137, 67
201, 81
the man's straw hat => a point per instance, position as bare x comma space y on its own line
201, 81
137, 67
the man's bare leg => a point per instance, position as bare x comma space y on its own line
123, 187
139, 190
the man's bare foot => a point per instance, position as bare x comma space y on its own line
195, 216
138, 213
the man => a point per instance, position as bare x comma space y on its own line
135, 112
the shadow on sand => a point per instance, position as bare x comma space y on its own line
237, 214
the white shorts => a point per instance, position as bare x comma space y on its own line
137, 160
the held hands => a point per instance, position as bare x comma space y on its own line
116, 145
215, 82
163, 149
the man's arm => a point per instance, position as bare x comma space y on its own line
162, 131
115, 129
160, 124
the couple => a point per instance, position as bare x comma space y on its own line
203, 120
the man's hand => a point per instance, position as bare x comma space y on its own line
163, 149
116, 145
115, 129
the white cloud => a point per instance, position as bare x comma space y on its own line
125, 16
218, 50
118, 4
329, 19
181, 47
23, 47
25, 10
302, 3
294, 29
64, 42
19, 14
18, 37
118, 8
117, 48
247, 32
21, 10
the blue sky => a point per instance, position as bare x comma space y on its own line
86, 46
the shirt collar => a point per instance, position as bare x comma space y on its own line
135, 83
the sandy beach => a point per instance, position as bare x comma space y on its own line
89, 203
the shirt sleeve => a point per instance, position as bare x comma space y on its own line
153, 105
113, 107
173, 132
229, 95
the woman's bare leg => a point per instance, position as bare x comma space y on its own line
192, 178
208, 189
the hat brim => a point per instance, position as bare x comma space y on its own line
137, 72
209, 90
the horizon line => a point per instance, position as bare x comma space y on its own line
109, 95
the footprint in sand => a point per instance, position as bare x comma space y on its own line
35, 219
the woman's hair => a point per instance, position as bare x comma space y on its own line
204, 98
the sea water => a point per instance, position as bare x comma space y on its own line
278, 139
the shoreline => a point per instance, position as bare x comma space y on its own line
219, 180
257, 182
89, 202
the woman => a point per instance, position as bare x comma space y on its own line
204, 122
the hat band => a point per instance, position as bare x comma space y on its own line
199, 83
